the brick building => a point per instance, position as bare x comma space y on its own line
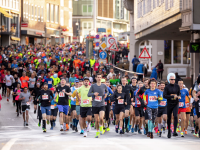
46, 21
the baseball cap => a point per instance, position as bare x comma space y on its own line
45, 83
86, 78
76, 80
103, 80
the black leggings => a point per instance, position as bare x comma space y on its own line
107, 112
18, 105
172, 108
3, 89
160, 75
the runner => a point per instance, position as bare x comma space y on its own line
86, 106
54, 109
120, 100
25, 98
16, 93
9, 81
98, 92
162, 111
172, 94
182, 107
63, 91
45, 97
151, 97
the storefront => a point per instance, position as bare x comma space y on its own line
30, 36
53, 35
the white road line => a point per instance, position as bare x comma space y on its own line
9, 144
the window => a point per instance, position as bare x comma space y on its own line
1, 3
17, 4
35, 12
144, 8
38, 13
70, 19
167, 52
186, 52
62, 18
26, 9
122, 10
14, 4
61, 2
52, 13
56, 13
84, 8
11, 3
7, 3
87, 9
98, 24
4, 2
87, 25
117, 9
42, 14
177, 52
48, 13
70, 4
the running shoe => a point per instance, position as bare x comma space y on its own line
160, 133
139, 132
97, 135
44, 130
148, 134
24, 123
51, 128
107, 129
192, 131
88, 129
121, 132
61, 129
85, 134
132, 130
127, 131
116, 129
182, 135
101, 130
82, 131
136, 128
64, 128
76, 130
129, 127
145, 133
39, 124
186, 132
151, 135
92, 124
175, 134
178, 130
34, 111
67, 127
7, 100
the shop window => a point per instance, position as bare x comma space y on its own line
177, 52
35, 12
56, 13
52, 13
86, 9
186, 52
167, 51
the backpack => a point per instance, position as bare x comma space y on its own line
136, 61
160, 66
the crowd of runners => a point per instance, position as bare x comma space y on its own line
61, 81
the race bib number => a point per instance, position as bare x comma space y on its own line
138, 102
20, 67
121, 101
181, 104
133, 104
52, 106
97, 67
32, 82
187, 105
61, 94
105, 103
163, 103
49, 82
68, 64
98, 98
86, 101
87, 65
28, 103
8, 81
24, 81
44, 96
152, 98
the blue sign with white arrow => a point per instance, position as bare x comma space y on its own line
103, 55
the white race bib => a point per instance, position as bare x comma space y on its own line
105, 103
45, 97
98, 98
61, 94
121, 101
163, 103
49, 82
152, 98
87, 65
181, 104
138, 102
86, 101
28, 103
187, 105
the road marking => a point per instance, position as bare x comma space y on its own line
9, 144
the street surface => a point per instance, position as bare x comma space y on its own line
14, 136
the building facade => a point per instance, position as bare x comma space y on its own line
99, 16
164, 28
9, 24
46, 21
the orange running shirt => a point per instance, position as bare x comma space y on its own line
24, 81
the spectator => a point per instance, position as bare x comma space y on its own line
154, 73
140, 70
160, 69
110, 75
135, 62
177, 78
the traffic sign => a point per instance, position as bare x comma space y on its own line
103, 45
111, 40
113, 47
97, 36
97, 44
109, 35
144, 61
103, 55
144, 54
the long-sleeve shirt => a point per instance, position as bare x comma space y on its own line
98, 101
110, 92
128, 90
121, 101
169, 92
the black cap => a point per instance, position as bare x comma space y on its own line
86, 78
45, 83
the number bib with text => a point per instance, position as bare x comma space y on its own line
163, 103
98, 98
61, 94
152, 98
44, 97
121, 101
86, 101
181, 104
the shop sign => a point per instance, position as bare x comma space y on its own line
24, 25
180, 71
38, 33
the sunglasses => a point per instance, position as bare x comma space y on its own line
172, 79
